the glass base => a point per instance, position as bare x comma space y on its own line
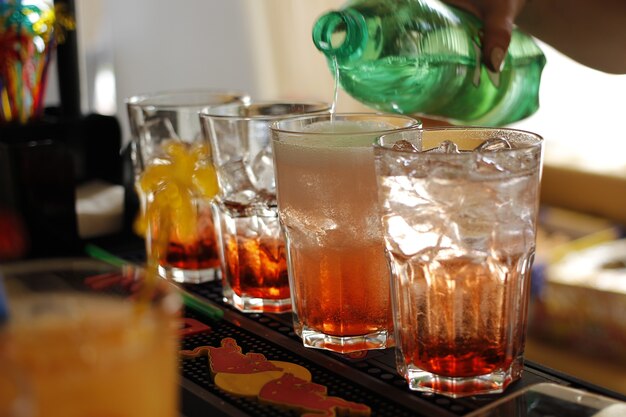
344, 344
190, 276
258, 305
457, 387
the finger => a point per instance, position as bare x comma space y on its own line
497, 30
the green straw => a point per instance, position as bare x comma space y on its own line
97, 252
189, 300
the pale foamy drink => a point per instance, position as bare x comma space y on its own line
327, 199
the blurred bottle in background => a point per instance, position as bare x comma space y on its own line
13, 238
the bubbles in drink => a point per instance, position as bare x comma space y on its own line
355, 135
348, 126
333, 108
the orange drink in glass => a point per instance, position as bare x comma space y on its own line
74, 352
328, 207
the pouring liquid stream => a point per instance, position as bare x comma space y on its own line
333, 108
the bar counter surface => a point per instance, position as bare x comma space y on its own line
368, 378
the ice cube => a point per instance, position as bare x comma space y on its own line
159, 128
234, 178
266, 227
248, 203
404, 146
490, 160
493, 145
447, 146
152, 134
263, 170
266, 198
240, 200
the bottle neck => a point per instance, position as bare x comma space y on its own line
340, 34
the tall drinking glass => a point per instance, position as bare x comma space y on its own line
328, 208
252, 249
459, 220
83, 339
175, 181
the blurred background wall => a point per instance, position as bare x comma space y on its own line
264, 47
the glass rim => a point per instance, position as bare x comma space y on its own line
37, 269
184, 98
416, 124
323, 108
389, 148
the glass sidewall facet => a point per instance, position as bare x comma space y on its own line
460, 237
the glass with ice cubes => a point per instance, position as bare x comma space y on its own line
252, 248
459, 214
175, 181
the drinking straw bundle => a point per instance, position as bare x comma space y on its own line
29, 31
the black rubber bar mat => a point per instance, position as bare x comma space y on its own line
371, 379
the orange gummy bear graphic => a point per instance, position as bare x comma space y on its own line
308, 397
252, 375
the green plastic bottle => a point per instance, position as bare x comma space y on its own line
423, 56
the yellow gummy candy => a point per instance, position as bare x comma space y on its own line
140, 225
173, 184
205, 181
153, 176
174, 149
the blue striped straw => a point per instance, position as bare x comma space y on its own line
4, 308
